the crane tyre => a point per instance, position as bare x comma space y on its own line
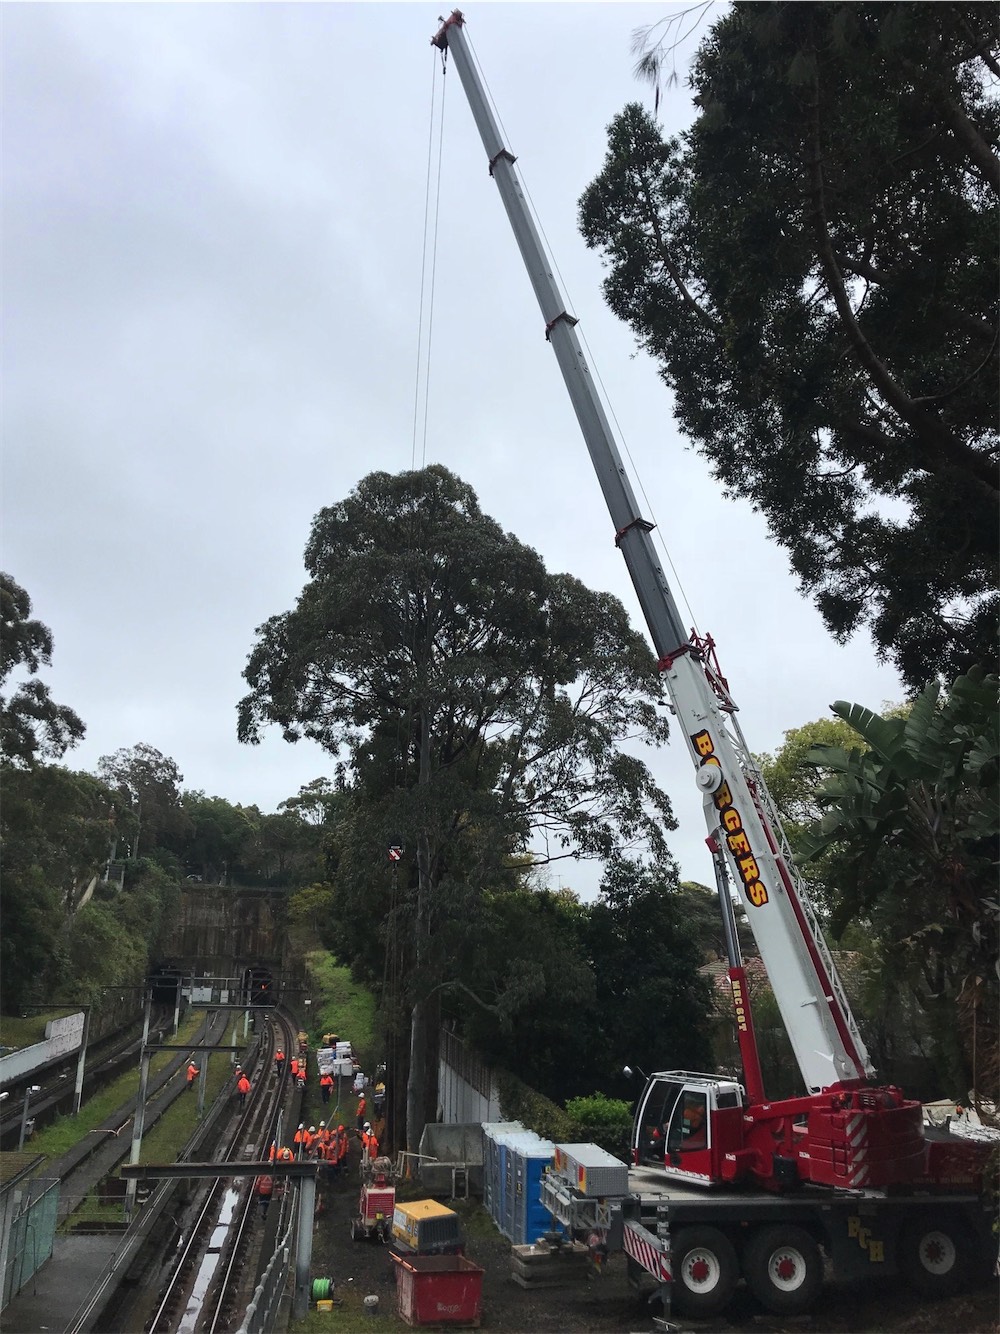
705, 1271
935, 1254
783, 1269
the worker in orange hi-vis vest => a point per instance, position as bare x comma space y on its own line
299, 1140
279, 1061
361, 1113
294, 1067
192, 1074
243, 1088
343, 1147
329, 1157
325, 1087
285, 1154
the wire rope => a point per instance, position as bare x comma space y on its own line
429, 250
423, 270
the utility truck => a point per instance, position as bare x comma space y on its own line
725, 1182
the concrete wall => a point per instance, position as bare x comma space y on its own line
221, 930
62, 1036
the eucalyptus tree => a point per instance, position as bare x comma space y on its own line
32, 725
148, 784
813, 265
474, 705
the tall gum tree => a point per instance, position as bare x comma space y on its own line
475, 705
814, 267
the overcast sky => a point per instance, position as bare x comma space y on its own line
213, 235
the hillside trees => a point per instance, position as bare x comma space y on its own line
814, 267
474, 703
149, 784
912, 832
32, 725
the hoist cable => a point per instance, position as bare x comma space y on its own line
434, 249
423, 270
657, 535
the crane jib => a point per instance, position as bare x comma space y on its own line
732, 822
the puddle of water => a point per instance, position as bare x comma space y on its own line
189, 1320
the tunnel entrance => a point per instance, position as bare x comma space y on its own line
164, 984
258, 983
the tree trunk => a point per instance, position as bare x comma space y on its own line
417, 1082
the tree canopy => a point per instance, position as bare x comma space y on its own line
910, 836
475, 704
814, 267
32, 725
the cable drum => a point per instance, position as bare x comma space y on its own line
321, 1289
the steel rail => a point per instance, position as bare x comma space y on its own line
259, 1117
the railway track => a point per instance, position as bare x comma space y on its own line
208, 1285
105, 1061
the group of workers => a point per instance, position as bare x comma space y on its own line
296, 1067
327, 1145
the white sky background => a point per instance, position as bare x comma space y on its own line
213, 225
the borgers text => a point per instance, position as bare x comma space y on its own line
732, 823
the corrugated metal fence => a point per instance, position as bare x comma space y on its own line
465, 1084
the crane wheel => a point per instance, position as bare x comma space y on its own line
935, 1254
705, 1271
783, 1269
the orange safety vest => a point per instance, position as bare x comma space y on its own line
326, 1082
244, 1086
342, 1145
331, 1151
295, 1066
192, 1072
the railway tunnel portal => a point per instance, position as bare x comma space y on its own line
226, 932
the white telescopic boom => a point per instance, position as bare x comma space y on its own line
738, 808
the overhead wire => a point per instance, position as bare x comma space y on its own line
423, 358
657, 535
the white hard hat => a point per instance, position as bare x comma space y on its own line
368, 1125
322, 1124
302, 1125
312, 1130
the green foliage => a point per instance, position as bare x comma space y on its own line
911, 829
473, 701
32, 726
520, 1102
598, 1119
148, 786
814, 268
54, 834
341, 1004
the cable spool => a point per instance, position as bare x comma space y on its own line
322, 1288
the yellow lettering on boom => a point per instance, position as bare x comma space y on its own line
732, 822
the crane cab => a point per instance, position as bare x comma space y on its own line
685, 1123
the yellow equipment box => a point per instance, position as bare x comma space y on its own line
426, 1227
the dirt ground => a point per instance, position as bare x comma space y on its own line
605, 1302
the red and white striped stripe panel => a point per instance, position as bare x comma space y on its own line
647, 1255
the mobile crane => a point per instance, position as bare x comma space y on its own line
847, 1132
